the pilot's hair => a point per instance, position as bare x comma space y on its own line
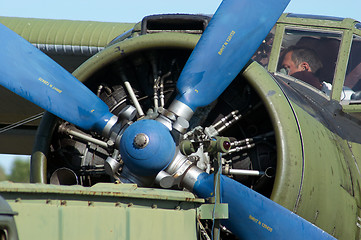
302, 54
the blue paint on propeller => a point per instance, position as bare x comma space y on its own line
28, 72
231, 38
253, 216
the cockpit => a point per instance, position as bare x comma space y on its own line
309, 40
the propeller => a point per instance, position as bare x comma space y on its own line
233, 35
253, 216
231, 38
28, 72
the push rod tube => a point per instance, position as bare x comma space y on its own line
242, 172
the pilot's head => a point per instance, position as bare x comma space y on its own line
297, 59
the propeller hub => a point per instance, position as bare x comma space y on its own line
147, 147
141, 140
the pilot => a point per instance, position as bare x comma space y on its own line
302, 63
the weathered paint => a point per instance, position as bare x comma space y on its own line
104, 211
66, 32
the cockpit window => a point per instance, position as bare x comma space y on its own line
264, 51
358, 26
311, 56
353, 73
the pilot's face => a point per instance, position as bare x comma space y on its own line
290, 65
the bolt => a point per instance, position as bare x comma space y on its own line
141, 140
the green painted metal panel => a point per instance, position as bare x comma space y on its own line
104, 211
213, 211
346, 23
289, 149
75, 220
355, 161
66, 32
99, 190
327, 180
341, 66
276, 48
137, 44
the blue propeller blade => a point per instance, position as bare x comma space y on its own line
233, 35
253, 216
28, 72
